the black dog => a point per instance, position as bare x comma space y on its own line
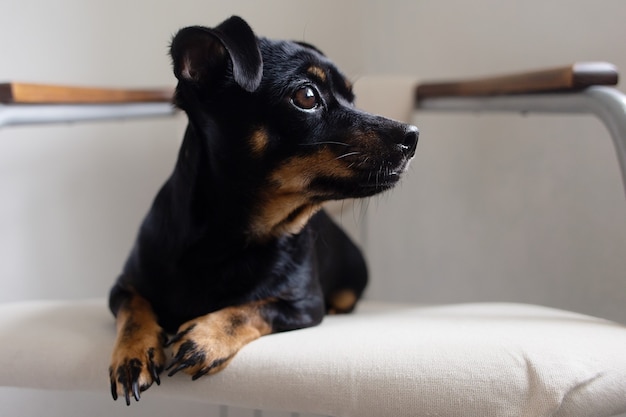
235, 245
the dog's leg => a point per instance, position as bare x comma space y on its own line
138, 357
206, 345
342, 268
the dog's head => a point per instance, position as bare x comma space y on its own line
279, 117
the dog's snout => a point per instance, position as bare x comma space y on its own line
411, 136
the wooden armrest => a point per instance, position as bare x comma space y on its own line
24, 93
571, 78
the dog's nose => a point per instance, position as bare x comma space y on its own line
409, 143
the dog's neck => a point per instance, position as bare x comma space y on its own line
213, 195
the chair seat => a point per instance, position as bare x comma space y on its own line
485, 359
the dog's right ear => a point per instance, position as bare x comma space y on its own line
201, 55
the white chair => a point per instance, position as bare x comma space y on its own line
480, 359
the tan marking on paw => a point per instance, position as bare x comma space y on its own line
206, 345
342, 301
138, 356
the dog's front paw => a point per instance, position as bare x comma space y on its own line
136, 363
207, 344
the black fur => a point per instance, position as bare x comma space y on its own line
217, 234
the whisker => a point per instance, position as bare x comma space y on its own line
328, 142
347, 154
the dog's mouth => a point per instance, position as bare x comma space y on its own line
380, 172
366, 180
381, 180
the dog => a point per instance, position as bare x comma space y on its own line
236, 244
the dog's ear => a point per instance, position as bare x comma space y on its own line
200, 55
310, 46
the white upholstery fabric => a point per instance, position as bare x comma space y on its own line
385, 360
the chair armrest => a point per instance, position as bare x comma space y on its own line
570, 78
26, 93
582, 88
30, 104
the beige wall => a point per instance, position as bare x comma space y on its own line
459, 38
125, 43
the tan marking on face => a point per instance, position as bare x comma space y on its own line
317, 72
297, 173
259, 141
349, 84
287, 204
219, 335
275, 220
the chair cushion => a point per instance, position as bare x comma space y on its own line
487, 359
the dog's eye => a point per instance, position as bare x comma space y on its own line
305, 98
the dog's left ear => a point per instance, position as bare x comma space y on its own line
201, 55
310, 46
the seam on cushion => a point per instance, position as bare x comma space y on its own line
539, 394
